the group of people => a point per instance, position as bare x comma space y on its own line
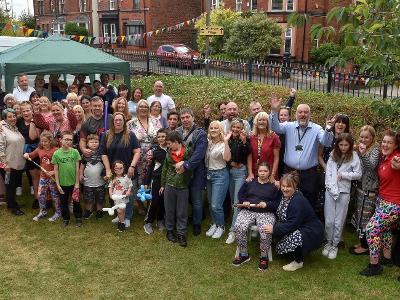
268, 168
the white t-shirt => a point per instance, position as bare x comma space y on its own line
21, 95
167, 104
215, 156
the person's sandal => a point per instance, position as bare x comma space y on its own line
354, 252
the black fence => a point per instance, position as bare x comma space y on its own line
287, 74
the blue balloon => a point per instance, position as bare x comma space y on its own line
143, 194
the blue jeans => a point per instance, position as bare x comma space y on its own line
132, 197
236, 179
217, 186
196, 196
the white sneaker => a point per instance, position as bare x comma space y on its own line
115, 220
40, 215
333, 252
18, 191
293, 266
54, 218
127, 223
210, 232
231, 238
326, 249
32, 191
148, 228
218, 232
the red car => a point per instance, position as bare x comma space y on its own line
177, 55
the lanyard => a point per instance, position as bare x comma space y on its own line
298, 134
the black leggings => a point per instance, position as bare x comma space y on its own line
298, 254
64, 199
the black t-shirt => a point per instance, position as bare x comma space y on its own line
94, 126
117, 149
24, 130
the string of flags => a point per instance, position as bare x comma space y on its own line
100, 39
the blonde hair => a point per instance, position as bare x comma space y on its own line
44, 98
126, 110
80, 108
72, 96
261, 114
371, 131
140, 102
221, 130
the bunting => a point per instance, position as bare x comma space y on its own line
99, 39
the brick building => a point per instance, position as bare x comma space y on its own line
295, 41
112, 18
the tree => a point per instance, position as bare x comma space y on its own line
253, 37
75, 29
27, 20
324, 52
370, 35
219, 17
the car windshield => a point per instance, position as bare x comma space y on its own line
183, 49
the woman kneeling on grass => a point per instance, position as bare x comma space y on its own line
258, 200
298, 229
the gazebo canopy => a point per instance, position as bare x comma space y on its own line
58, 55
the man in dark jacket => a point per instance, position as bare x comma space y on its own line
197, 137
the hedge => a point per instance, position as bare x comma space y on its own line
195, 92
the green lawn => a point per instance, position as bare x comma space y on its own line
43, 261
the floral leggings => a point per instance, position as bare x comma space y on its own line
46, 186
379, 227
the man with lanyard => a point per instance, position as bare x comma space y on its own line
301, 149
95, 124
23, 91
198, 138
232, 112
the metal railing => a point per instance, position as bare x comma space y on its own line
286, 74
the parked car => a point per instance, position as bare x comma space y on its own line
178, 55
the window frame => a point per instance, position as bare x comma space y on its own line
112, 5
286, 37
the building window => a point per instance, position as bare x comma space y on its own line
253, 4
51, 6
289, 5
239, 5
133, 32
58, 28
61, 6
40, 7
288, 40
113, 32
82, 5
215, 4
83, 25
315, 43
105, 30
112, 4
136, 4
276, 4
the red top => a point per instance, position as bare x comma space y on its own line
266, 153
389, 180
178, 157
45, 159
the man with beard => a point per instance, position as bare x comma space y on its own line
301, 149
232, 112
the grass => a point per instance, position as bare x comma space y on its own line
43, 261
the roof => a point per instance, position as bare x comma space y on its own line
11, 41
59, 55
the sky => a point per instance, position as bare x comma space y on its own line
20, 5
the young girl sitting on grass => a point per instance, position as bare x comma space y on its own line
343, 166
45, 151
120, 185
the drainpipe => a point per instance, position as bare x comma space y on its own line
304, 33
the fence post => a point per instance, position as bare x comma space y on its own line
385, 90
148, 62
250, 69
331, 71
286, 65
192, 65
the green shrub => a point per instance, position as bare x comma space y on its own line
73, 28
198, 91
324, 52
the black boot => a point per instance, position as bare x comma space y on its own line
121, 227
372, 270
35, 204
182, 240
196, 229
171, 236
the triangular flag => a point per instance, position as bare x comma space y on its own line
157, 31
14, 27
123, 38
81, 37
30, 32
7, 26
92, 39
40, 33
100, 40
45, 34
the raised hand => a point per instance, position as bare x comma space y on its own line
227, 136
276, 102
